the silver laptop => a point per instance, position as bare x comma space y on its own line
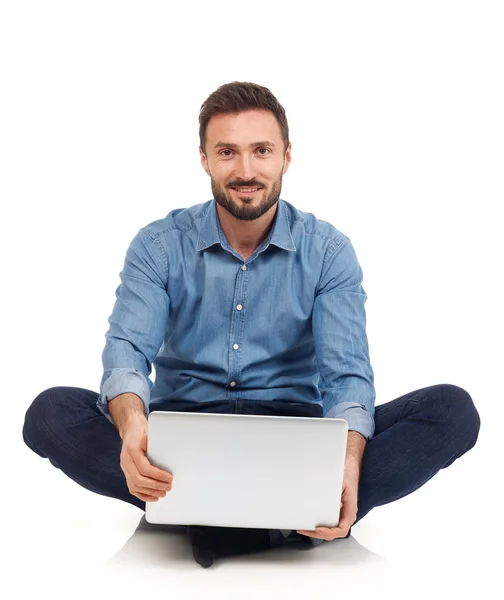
233, 470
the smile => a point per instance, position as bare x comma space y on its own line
246, 190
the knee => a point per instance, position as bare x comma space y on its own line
463, 417
41, 419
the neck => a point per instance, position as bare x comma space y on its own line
246, 236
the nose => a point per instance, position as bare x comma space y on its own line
245, 168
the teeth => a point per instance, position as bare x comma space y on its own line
243, 189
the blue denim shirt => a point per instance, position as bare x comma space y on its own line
289, 323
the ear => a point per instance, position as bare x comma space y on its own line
287, 159
204, 162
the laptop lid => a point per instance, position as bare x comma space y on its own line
233, 470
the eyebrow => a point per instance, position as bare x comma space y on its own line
225, 145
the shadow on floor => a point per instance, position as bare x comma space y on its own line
167, 547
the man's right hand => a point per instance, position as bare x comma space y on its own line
145, 481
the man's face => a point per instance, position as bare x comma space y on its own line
245, 150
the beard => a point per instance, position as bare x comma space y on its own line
246, 211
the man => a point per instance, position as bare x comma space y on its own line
245, 304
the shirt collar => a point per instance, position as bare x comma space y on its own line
280, 234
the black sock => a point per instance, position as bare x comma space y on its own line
230, 541
202, 546
210, 543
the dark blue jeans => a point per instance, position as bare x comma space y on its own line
415, 436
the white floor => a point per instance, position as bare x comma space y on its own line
64, 541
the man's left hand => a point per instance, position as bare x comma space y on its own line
348, 513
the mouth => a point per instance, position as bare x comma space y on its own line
246, 191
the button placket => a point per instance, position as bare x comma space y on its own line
237, 323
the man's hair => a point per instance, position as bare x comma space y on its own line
239, 96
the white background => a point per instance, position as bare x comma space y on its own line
396, 123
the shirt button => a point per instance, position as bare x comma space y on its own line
233, 383
236, 346
239, 306
244, 268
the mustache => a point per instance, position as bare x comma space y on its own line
244, 184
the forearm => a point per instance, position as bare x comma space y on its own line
126, 408
137, 324
356, 444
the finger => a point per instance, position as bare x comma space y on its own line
147, 469
340, 531
311, 533
148, 492
323, 533
332, 533
135, 488
348, 515
152, 484
347, 518
146, 497
141, 480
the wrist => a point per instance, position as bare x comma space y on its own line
132, 421
352, 464
356, 444
127, 411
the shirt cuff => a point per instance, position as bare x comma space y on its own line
121, 381
356, 415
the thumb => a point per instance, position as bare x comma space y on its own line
143, 443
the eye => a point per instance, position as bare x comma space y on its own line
263, 148
225, 150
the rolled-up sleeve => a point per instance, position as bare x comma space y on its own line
339, 330
137, 323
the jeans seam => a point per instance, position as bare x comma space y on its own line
415, 399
